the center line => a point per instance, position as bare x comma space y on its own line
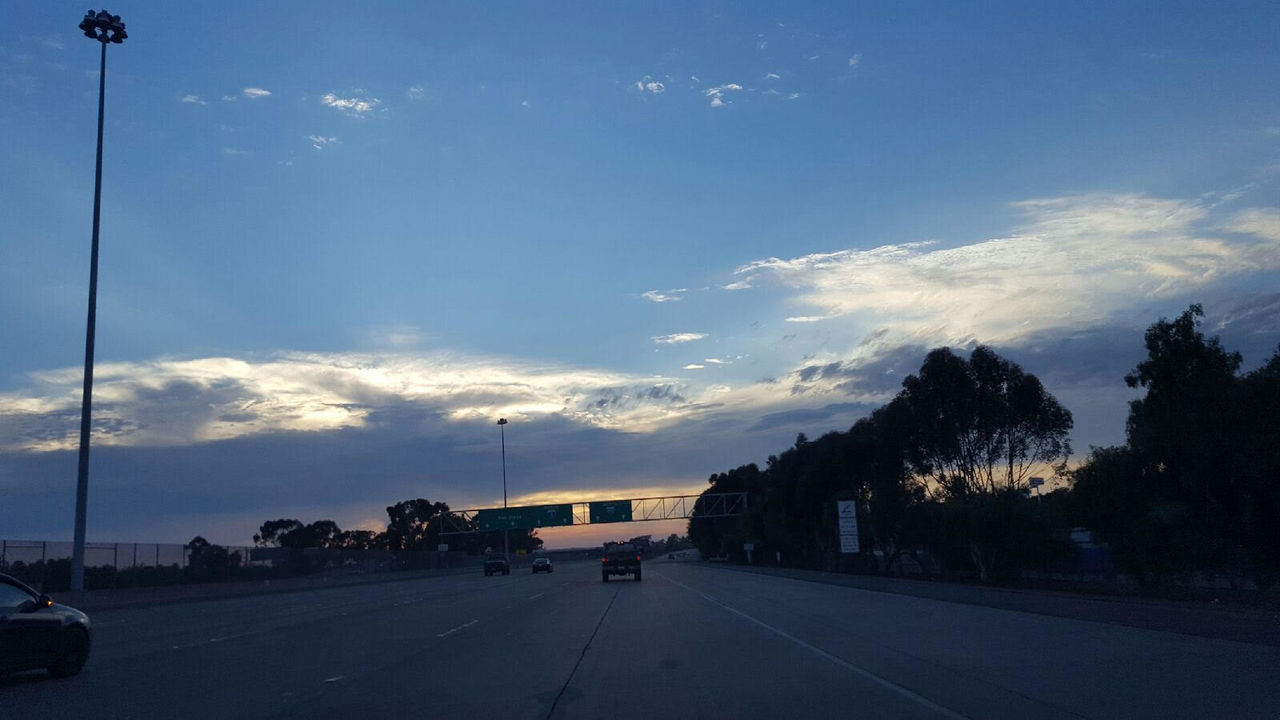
460, 627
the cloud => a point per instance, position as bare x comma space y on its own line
178, 402
194, 99
1076, 260
717, 93
53, 41
524, 103
676, 338
853, 61
743, 284
417, 92
234, 151
229, 98
793, 96
1263, 222
672, 295
773, 76
806, 318
320, 142
693, 366
254, 93
716, 361
650, 85
352, 106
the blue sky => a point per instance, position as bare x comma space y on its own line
338, 243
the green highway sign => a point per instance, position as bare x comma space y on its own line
608, 511
524, 518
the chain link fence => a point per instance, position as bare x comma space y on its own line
46, 565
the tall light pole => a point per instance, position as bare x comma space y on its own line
502, 433
105, 28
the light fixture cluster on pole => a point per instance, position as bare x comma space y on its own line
106, 29
502, 432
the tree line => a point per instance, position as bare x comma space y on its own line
412, 525
941, 474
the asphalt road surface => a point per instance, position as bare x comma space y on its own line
689, 641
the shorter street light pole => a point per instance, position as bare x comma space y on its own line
502, 433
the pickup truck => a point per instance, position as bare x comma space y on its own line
496, 565
620, 559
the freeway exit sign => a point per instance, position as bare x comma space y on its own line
608, 511
524, 518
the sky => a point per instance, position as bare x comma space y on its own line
661, 239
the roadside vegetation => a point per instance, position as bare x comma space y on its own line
941, 475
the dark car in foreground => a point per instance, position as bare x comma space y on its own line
497, 565
620, 559
37, 633
542, 564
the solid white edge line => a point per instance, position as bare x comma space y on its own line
866, 674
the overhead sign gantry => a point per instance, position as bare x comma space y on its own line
531, 517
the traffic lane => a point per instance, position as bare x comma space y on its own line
988, 662
512, 663
258, 674
663, 651
146, 628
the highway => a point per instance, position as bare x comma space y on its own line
691, 640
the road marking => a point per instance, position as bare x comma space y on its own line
865, 674
460, 627
210, 641
535, 597
334, 679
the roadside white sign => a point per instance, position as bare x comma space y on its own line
442, 548
847, 512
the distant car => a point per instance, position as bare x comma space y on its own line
36, 632
620, 559
542, 564
497, 565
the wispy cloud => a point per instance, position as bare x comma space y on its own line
661, 296
773, 76
676, 338
693, 366
716, 361
743, 284
53, 41
352, 106
320, 142
254, 93
229, 98
650, 85
794, 96
855, 60
234, 151
1076, 260
717, 93
417, 92
193, 99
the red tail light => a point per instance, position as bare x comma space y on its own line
604, 559
637, 558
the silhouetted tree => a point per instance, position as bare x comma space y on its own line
981, 425
271, 530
